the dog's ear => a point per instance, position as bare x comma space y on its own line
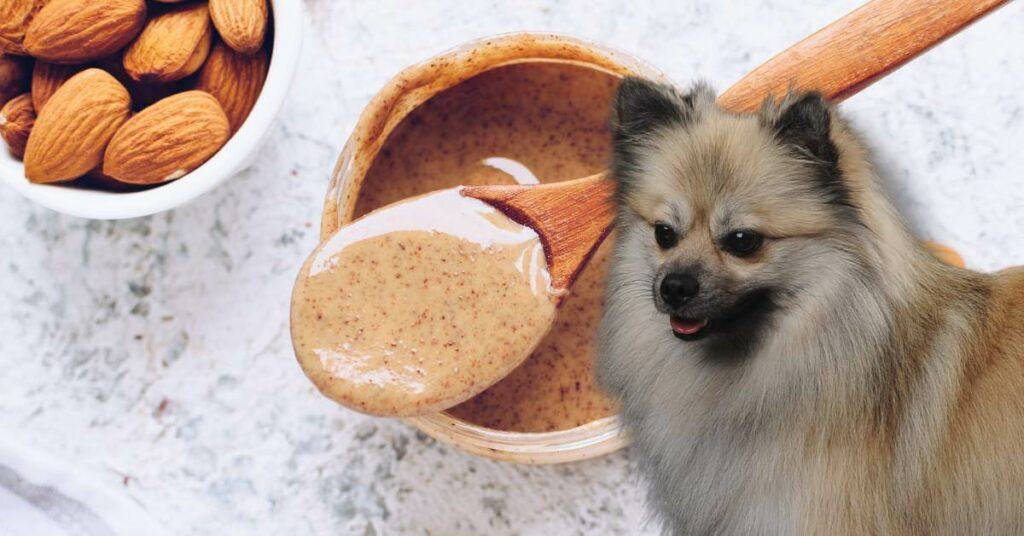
804, 123
640, 108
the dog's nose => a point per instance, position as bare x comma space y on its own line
677, 289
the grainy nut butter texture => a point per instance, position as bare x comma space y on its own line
526, 122
420, 306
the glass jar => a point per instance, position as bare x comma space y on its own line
411, 88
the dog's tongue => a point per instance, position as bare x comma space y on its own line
687, 327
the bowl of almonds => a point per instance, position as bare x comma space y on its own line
115, 109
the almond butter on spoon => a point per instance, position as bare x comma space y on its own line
420, 305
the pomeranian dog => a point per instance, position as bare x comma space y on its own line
789, 358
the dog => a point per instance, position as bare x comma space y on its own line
788, 357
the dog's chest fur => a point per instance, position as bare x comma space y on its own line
717, 470
701, 470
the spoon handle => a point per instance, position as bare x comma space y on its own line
571, 218
856, 50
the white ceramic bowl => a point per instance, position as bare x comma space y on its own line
235, 156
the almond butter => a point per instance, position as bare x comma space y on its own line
77, 31
47, 78
235, 79
172, 46
14, 77
16, 120
73, 130
241, 23
167, 140
15, 16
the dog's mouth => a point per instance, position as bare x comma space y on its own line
686, 328
742, 319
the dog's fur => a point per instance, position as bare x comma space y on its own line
848, 382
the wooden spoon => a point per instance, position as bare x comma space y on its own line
573, 217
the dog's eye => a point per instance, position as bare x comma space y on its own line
742, 243
665, 235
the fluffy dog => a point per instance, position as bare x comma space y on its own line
789, 359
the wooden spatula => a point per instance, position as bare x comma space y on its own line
573, 217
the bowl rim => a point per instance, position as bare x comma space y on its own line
226, 163
387, 107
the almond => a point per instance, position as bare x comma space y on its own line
15, 16
143, 95
235, 79
167, 140
14, 76
16, 120
47, 78
173, 45
77, 31
76, 125
241, 23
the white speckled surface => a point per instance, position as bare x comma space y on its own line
157, 349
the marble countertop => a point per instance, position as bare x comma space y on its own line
156, 350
